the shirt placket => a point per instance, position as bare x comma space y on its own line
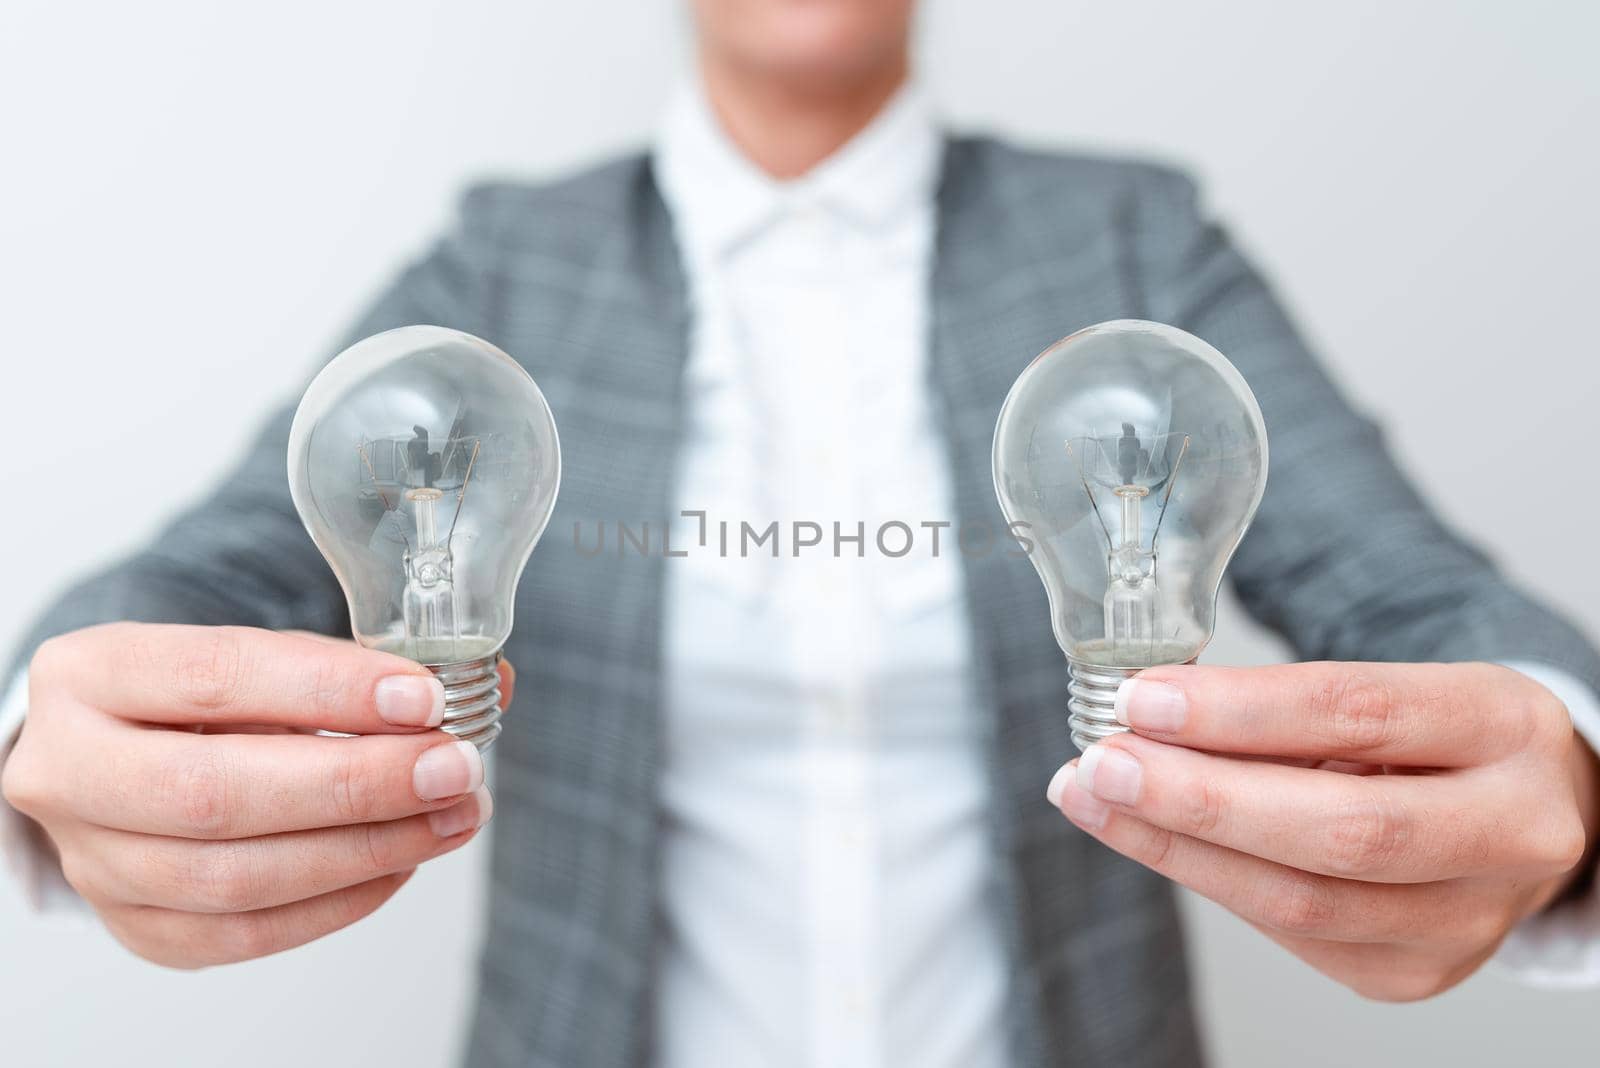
832, 649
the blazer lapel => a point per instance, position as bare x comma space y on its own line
1008, 280
574, 875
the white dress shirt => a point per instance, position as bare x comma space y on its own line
826, 872
825, 895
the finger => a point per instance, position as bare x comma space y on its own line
196, 940
182, 675
243, 875
507, 673
508, 683
331, 639
1417, 715
1261, 891
1378, 828
240, 786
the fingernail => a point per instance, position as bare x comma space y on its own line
447, 770
1057, 781
1083, 808
1151, 706
410, 700
1110, 774
468, 815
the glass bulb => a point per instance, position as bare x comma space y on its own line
1131, 457
424, 463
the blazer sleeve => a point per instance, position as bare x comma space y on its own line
1345, 559
240, 555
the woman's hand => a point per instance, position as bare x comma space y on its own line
1388, 824
173, 771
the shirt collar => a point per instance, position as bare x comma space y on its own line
718, 197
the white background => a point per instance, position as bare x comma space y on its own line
196, 197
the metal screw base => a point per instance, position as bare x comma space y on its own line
471, 699
1091, 701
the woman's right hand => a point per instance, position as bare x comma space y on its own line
174, 771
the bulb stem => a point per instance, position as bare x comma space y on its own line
471, 699
1132, 497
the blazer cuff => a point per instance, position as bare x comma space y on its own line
31, 862
1560, 947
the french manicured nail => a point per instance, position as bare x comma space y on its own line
1148, 705
1110, 774
447, 770
1058, 781
410, 700
1082, 807
466, 815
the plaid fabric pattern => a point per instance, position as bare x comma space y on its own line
580, 280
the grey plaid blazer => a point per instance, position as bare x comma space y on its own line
581, 281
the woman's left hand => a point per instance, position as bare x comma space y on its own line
1387, 823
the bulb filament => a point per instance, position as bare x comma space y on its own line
1130, 471
428, 599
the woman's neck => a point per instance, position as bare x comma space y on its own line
786, 128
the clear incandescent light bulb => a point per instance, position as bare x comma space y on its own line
424, 463
1132, 456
